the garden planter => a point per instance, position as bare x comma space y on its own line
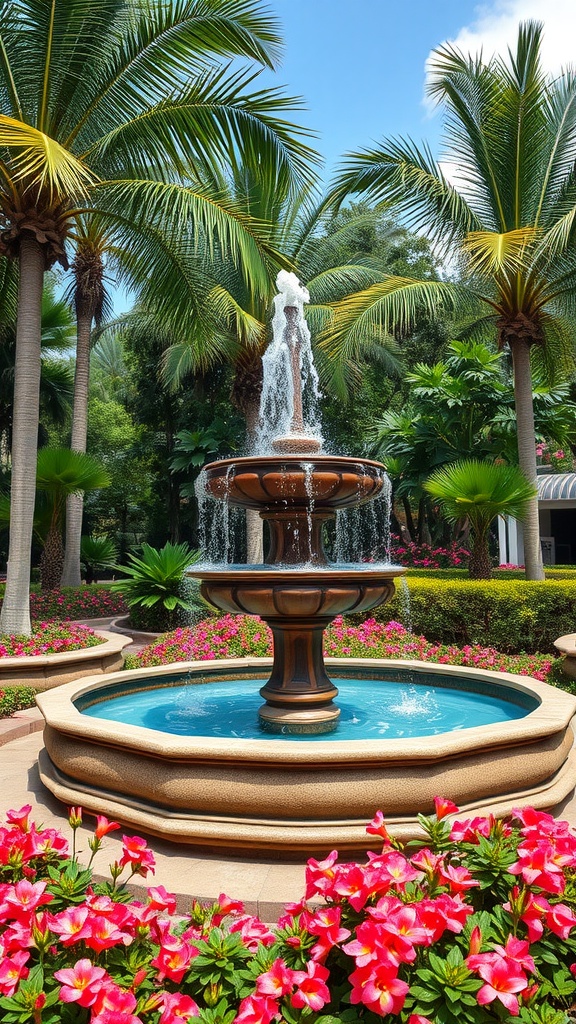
567, 646
44, 671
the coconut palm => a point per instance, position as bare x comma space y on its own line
509, 215
114, 108
61, 472
479, 491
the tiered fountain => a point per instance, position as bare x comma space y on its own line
178, 750
297, 491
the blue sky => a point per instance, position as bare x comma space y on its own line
360, 65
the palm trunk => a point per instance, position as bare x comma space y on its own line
527, 454
15, 616
71, 576
480, 565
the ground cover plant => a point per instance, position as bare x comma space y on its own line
238, 636
49, 638
16, 698
472, 923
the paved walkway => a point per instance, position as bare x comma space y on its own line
264, 885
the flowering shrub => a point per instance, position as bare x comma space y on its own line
49, 638
470, 924
94, 602
424, 556
237, 636
560, 461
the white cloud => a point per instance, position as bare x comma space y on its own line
495, 28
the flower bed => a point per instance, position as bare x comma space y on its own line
93, 602
472, 924
49, 638
237, 636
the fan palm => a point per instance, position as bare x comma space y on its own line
509, 215
479, 491
113, 108
61, 472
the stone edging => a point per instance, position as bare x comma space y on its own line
137, 636
22, 723
44, 671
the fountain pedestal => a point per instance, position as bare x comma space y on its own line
298, 592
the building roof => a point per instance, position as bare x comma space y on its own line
557, 487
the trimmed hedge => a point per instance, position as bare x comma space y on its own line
16, 698
510, 615
555, 572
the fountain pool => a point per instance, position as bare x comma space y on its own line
295, 796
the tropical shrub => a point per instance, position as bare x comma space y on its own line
49, 638
238, 636
471, 923
510, 615
155, 588
16, 698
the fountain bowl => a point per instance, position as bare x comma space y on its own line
300, 797
280, 482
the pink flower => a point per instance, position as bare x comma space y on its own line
177, 1007
312, 990
277, 981
12, 970
137, 853
82, 983
444, 807
503, 980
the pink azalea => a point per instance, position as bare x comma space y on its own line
12, 970
503, 980
177, 1007
277, 981
312, 990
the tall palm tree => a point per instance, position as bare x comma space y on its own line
113, 108
479, 491
509, 215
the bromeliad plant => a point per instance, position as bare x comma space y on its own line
471, 923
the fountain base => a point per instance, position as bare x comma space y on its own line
299, 721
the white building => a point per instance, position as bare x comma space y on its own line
557, 512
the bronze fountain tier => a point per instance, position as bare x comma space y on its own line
297, 592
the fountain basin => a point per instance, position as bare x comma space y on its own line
302, 796
277, 482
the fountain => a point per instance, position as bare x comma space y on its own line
168, 749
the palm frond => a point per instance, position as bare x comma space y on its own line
40, 161
492, 252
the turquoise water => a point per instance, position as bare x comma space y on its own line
370, 709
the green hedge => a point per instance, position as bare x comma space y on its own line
16, 698
511, 615
556, 572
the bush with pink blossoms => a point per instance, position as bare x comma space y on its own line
426, 556
93, 602
237, 636
49, 638
472, 923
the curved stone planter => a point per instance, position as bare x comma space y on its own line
137, 636
44, 671
567, 646
298, 798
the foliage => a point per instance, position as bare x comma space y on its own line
238, 636
461, 408
16, 698
49, 638
477, 491
511, 615
97, 553
471, 923
94, 602
155, 583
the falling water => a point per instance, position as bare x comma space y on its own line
363, 532
277, 397
405, 604
221, 526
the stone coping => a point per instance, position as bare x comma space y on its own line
553, 714
121, 625
48, 670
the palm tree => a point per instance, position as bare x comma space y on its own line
61, 472
509, 216
113, 108
479, 491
